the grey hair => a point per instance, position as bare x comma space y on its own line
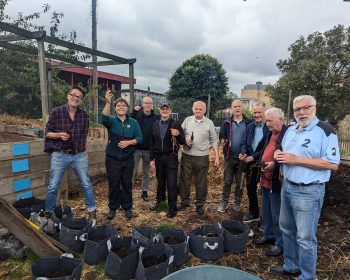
307, 97
200, 102
277, 112
258, 104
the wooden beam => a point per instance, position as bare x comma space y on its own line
80, 48
131, 85
41, 244
48, 55
12, 37
22, 32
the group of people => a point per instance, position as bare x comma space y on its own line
290, 164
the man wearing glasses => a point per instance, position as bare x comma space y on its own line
145, 117
65, 138
309, 152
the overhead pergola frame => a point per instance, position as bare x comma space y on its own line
18, 34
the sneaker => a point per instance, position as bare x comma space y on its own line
248, 218
275, 251
144, 196
92, 218
111, 214
237, 207
128, 214
223, 207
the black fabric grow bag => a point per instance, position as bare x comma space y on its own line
143, 236
178, 240
96, 245
235, 243
57, 268
207, 242
28, 205
145, 270
122, 265
73, 233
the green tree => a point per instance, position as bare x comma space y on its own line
318, 65
20, 85
194, 80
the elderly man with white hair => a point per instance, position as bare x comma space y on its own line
270, 182
310, 150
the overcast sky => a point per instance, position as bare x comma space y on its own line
247, 37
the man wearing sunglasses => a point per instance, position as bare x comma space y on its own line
309, 152
65, 138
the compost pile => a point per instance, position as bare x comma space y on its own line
20, 121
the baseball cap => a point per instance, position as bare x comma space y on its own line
165, 104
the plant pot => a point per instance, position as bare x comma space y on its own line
178, 240
122, 258
96, 245
28, 205
58, 268
143, 236
73, 233
207, 242
155, 262
235, 236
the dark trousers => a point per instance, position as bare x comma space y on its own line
197, 167
252, 186
232, 170
119, 174
166, 170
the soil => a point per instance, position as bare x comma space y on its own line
210, 234
123, 251
172, 240
153, 260
235, 231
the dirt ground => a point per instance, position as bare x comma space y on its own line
333, 232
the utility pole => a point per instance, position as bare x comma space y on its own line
94, 97
288, 108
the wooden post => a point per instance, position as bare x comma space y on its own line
131, 85
43, 81
49, 89
64, 187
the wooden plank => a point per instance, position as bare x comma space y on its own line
36, 240
37, 179
36, 147
35, 164
39, 192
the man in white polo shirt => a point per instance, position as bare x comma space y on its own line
310, 151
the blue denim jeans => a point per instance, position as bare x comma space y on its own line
145, 156
300, 212
59, 164
271, 204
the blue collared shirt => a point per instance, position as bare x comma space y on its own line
258, 135
317, 140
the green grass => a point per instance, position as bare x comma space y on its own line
163, 227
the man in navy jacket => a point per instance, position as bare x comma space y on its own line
254, 142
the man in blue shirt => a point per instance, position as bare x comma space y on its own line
309, 152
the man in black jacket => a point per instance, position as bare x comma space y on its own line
254, 142
145, 117
167, 136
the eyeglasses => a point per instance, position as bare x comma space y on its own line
76, 96
305, 108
